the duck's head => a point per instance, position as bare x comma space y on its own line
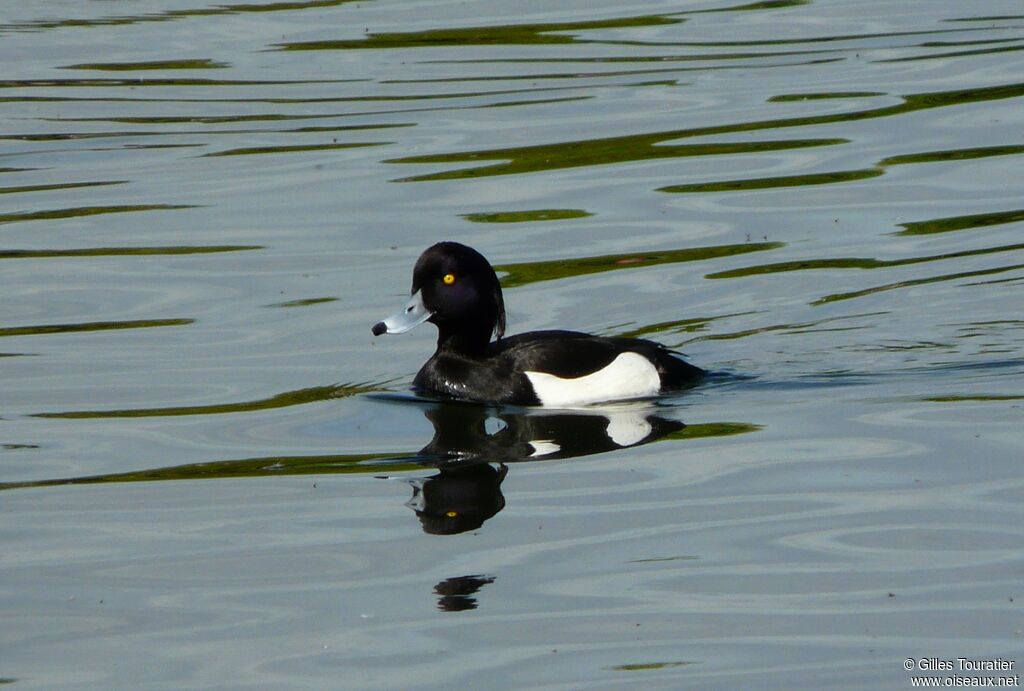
454, 287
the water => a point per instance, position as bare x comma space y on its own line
213, 476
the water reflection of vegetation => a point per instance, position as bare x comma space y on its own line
647, 146
639, 147
956, 54
533, 272
526, 216
90, 326
58, 186
255, 150
953, 155
855, 262
125, 251
646, 666
691, 325
198, 64
305, 302
461, 439
975, 398
507, 34
945, 225
168, 15
52, 214
139, 82
796, 328
281, 400
46, 137
835, 297
779, 181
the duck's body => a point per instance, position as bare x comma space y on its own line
455, 288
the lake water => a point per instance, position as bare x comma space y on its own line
213, 476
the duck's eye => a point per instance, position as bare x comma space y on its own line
448, 279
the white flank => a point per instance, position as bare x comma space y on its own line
628, 376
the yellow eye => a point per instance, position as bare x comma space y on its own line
448, 279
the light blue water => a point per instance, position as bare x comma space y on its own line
212, 477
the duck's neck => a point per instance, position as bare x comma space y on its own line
471, 340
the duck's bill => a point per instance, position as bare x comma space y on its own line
412, 315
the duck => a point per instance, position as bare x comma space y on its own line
455, 288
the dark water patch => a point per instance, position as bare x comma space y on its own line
753, 6
125, 251
838, 38
799, 327
282, 400
579, 75
953, 223
526, 216
995, 282
983, 398
692, 325
201, 119
283, 100
651, 560
639, 59
855, 262
533, 102
774, 182
955, 54
991, 18
631, 148
712, 429
121, 134
160, 146
638, 147
75, 212
17, 170
970, 42
18, 447
506, 34
835, 297
535, 272
824, 96
170, 15
253, 150
138, 82
953, 155
197, 64
305, 302
648, 666
41, 329
58, 186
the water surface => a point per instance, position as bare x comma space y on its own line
212, 474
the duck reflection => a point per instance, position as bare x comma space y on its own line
469, 439
458, 499
456, 592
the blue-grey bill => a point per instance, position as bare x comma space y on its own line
412, 315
